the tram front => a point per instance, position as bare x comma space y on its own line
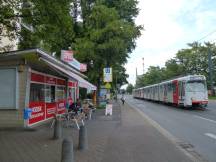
196, 91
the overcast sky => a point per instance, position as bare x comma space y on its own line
169, 26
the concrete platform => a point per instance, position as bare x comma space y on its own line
126, 136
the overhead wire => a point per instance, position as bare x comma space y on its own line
207, 35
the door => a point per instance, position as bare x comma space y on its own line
175, 91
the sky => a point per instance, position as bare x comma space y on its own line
168, 26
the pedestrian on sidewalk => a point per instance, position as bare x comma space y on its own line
123, 99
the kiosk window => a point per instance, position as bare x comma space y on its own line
49, 94
72, 93
60, 93
8, 88
36, 92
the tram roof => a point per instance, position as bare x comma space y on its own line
184, 78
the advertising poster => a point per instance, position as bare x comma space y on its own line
61, 106
50, 110
38, 112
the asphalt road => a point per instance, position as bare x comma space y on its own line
195, 127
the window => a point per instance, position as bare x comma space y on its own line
195, 86
49, 94
174, 87
60, 93
36, 92
72, 93
8, 88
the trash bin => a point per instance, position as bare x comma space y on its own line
27, 113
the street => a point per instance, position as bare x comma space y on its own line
195, 127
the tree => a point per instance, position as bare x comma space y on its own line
193, 60
129, 88
8, 21
52, 25
107, 41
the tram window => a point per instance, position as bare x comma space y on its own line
183, 89
165, 90
180, 88
169, 87
36, 92
174, 87
195, 86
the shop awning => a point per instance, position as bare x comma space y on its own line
81, 82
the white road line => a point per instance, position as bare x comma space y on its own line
211, 135
213, 121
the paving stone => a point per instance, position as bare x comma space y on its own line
123, 137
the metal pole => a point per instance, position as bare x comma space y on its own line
57, 129
67, 151
116, 88
210, 71
83, 139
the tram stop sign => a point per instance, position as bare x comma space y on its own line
107, 85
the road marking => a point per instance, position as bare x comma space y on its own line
213, 121
210, 135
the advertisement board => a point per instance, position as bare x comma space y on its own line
67, 55
50, 110
61, 106
38, 112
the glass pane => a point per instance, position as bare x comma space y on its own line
36, 92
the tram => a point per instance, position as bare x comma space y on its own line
188, 91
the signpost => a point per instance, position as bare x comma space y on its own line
107, 74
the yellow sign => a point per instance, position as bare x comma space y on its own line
107, 85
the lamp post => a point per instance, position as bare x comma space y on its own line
210, 71
116, 83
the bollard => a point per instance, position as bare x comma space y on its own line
57, 129
83, 140
67, 151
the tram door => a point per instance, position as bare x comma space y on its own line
181, 86
175, 91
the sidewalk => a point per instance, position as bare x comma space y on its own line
125, 136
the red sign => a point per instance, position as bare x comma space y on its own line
50, 80
71, 84
50, 110
37, 77
61, 82
67, 55
61, 106
38, 112
83, 67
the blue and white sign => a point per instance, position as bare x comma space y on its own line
107, 74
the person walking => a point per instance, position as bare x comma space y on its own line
123, 99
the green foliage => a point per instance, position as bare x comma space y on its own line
107, 41
98, 30
8, 21
52, 25
129, 88
193, 60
